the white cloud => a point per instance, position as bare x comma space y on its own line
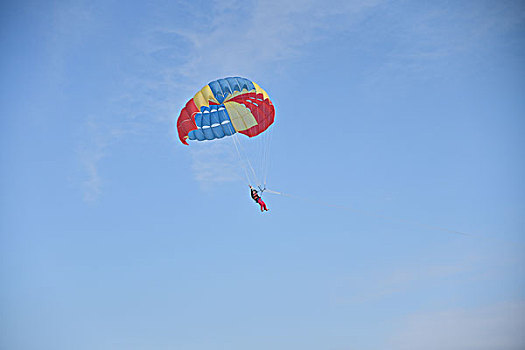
245, 37
96, 140
237, 38
181, 48
214, 163
177, 53
429, 39
91, 153
374, 286
499, 326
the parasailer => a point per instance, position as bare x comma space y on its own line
258, 199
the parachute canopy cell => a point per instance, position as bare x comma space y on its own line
223, 108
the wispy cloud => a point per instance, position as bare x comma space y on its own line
254, 39
181, 46
375, 286
498, 326
175, 54
175, 58
250, 37
92, 185
91, 153
214, 163
94, 146
430, 37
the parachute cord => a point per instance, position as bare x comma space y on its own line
267, 155
240, 157
262, 153
247, 160
242, 164
264, 142
244, 161
372, 214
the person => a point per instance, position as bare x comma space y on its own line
258, 199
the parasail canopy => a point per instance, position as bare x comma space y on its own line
225, 107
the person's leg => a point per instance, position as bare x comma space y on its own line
261, 203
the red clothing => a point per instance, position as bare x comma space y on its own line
262, 204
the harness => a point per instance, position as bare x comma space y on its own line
255, 196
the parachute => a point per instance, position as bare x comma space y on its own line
225, 108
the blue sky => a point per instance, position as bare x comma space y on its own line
116, 236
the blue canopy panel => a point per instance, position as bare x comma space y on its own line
213, 122
223, 87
